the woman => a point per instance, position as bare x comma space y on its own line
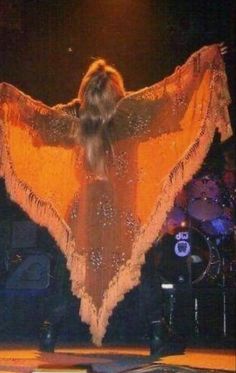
103, 179
100, 90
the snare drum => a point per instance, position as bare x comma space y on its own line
204, 198
186, 256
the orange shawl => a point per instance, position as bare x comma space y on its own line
160, 137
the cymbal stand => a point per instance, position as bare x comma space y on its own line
224, 299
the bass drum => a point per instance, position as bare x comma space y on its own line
187, 256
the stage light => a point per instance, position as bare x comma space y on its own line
167, 286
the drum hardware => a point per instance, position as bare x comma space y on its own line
169, 289
210, 207
213, 267
228, 272
177, 309
187, 253
224, 300
204, 198
224, 314
196, 316
172, 305
232, 266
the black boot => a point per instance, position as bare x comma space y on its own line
158, 336
163, 341
47, 338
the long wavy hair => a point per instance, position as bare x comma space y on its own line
100, 90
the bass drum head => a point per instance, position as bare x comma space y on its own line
186, 256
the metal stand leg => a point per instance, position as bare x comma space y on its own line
171, 310
196, 319
224, 301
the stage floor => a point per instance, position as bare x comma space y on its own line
23, 359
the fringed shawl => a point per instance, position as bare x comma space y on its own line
160, 136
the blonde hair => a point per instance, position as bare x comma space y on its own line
100, 90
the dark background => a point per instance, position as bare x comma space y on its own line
45, 47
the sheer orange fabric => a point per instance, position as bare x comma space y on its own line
104, 227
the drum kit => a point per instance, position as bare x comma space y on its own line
204, 209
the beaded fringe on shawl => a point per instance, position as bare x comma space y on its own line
128, 276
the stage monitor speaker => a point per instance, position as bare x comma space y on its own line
32, 272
